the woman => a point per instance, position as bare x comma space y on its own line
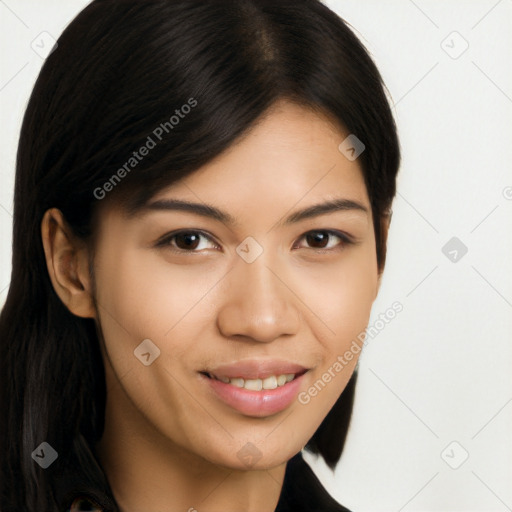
202, 200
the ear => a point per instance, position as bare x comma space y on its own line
68, 264
385, 222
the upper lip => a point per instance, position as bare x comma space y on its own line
256, 369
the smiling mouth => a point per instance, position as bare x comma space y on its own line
268, 383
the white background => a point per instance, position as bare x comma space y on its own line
441, 370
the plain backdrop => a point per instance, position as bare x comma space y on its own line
432, 426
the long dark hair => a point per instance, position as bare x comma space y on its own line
121, 70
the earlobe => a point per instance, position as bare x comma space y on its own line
67, 264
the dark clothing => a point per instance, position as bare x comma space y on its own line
301, 492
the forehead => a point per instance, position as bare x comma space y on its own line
288, 161
291, 155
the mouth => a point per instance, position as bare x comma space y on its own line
256, 384
256, 388
256, 374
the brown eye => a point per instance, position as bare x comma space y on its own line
187, 241
318, 239
325, 240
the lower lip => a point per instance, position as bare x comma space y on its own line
256, 403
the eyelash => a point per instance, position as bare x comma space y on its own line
166, 240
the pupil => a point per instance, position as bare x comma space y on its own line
190, 240
318, 237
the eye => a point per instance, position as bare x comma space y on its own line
195, 241
326, 240
187, 241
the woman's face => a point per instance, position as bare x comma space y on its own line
262, 291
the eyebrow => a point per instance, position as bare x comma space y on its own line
206, 210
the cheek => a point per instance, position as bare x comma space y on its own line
353, 306
341, 298
142, 297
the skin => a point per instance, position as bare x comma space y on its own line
168, 444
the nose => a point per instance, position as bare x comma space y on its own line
258, 303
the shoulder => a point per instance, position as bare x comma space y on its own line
303, 492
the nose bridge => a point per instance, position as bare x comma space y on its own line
258, 304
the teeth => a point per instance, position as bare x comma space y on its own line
253, 384
272, 382
239, 383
